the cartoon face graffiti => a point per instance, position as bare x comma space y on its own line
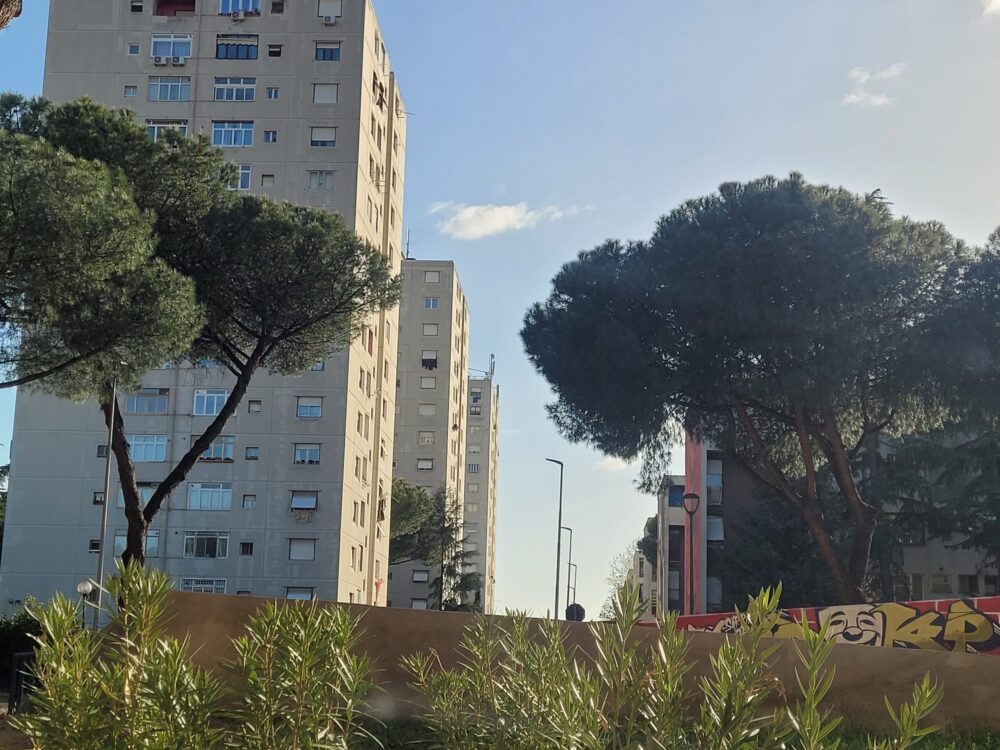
861, 624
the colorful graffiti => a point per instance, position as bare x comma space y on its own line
963, 625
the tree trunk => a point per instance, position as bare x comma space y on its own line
139, 517
135, 536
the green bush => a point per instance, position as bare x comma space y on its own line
16, 636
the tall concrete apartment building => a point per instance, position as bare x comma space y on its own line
292, 500
482, 463
431, 398
446, 425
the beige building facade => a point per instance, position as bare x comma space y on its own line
431, 402
293, 499
481, 473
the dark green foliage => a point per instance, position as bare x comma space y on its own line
783, 321
16, 636
649, 541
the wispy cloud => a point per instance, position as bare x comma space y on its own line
462, 221
991, 7
611, 463
861, 76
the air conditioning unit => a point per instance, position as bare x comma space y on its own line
238, 15
180, 61
160, 61
329, 20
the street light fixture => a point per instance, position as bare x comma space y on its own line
555, 612
691, 502
569, 564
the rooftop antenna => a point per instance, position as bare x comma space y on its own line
493, 365
407, 244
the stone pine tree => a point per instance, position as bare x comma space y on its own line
784, 321
278, 288
80, 288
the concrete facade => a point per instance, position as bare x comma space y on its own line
482, 466
302, 96
646, 578
433, 359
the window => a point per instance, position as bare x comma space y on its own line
322, 180
208, 402
425, 437
146, 490
210, 496
236, 47
477, 395
302, 500
301, 549
432, 277
472, 487
235, 89
274, 50
425, 464
204, 585
968, 585
940, 583
429, 359
326, 137
249, 501
171, 45
98, 498
430, 329
471, 547
206, 544
318, 367
475, 450
152, 542
475, 409
133, 48
427, 383
232, 133
147, 401
299, 593
94, 546
421, 576
473, 468
130, 92
169, 89
221, 448
254, 406
136, 6
426, 410
472, 507
277, 7
431, 303
146, 448
330, 8
102, 451
307, 453
242, 179
325, 93
271, 136
227, 7
246, 549
252, 453
328, 51
156, 128
309, 407
418, 604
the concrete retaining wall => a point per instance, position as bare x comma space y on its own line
864, 674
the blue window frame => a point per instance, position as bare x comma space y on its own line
236, 46
234, 6
328, 51
232, 133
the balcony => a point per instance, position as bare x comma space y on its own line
174, 8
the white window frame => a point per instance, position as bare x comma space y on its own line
425, 437
147, 448
432, 277
235, 88
431, 303
300, 593
208, 402
238, 133
306, 454
211, 496
155, 128
309, 407
244, 176
322, 136
193, 540
425, 464
179, 85
181, 45
152, 542
203, 585
320, 179
221, 449
148, 397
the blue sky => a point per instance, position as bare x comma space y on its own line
538, 129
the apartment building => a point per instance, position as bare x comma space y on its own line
644, 576
482, 464
431, 399
292, 500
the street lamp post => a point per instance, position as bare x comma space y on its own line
555, 612
569, 563
576, 570
691, 503
104, 509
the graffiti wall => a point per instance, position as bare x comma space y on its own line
964, 625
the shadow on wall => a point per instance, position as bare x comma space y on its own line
863, 677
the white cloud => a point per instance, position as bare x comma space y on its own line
860, 97
864, 99
990, 7
611, 463
464, 222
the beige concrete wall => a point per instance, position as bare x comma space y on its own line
864, 675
